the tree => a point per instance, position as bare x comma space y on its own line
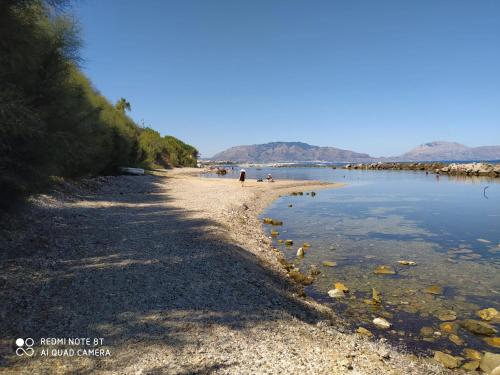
123, 105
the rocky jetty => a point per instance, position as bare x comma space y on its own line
454, 169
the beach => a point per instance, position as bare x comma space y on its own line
174, 273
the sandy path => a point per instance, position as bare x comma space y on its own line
175, 274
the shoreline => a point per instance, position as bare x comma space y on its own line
185, 281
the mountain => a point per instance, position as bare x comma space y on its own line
275, 152
449, 151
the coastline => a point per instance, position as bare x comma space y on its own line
208, 293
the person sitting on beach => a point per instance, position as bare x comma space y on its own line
242, 176
270, 178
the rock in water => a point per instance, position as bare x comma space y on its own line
364, 332
341, 287
492, 341
479, 327
328, 263
447, 315
473, 354
407, 262
336, 293
490, 362
382, 323
487, 314
384, 270
274, 233
426, 331
448, 327
434, 289
447, 360
471, 365
288, 242
300, 252
456, 340
376, 297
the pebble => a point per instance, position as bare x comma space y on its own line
471, 365
487, 314
364, 332
328, 263
336, 293
382, 323
489, 362
456, 340
479, 327
434, 289
447, 360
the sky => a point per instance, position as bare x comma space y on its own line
370, 76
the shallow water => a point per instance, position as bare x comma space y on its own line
449, 226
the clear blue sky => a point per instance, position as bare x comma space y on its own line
371, 76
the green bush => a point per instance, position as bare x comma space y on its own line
52, 121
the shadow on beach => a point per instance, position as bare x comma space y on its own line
122, 265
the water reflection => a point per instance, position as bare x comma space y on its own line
445, 226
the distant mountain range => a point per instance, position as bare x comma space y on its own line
276, 152
435, 151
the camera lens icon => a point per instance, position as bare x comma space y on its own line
24, 347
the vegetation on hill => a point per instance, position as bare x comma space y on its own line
53, 122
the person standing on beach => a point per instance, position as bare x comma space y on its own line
242, 176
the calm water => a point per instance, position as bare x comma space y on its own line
450, 227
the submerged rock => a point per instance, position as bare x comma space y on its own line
276, 222
487, 314
492, 341
489, 362
479, 327
407, 262
341, 287
447, 315
471, 365
364, 332
456, 340
328, 263
376, 297
314, 271
300, 277
447, 360
384, 270
382, 323
336, 293
448, 327
426, 331
434, 289
473, 354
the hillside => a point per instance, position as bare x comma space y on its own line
440, 150
288, 151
